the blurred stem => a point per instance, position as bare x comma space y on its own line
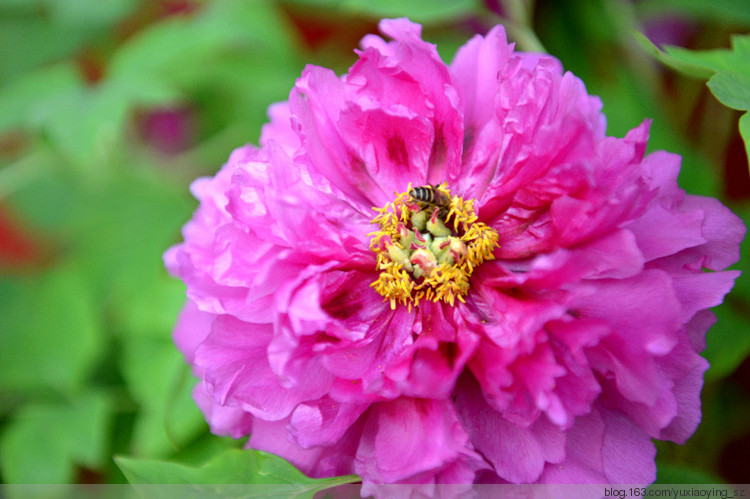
525, 38
519, 11
624, 19
519, 26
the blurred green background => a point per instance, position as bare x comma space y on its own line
109, 109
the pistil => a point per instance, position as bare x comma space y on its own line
427, 251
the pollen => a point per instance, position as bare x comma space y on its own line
427, 248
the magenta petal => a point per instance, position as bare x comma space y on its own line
613, 256
191, 329
407, 437
279, 129
237, 372
315, 103
517, 454
583, 454
723, 229
223, 419
323, 422
605, 447
686, 369
645, 316
334, 460
627, 452
701, 291
661, 231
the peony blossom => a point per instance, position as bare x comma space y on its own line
432, 273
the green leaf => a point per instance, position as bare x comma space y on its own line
732, 88
51, 333
160, 382
728, 70
89, 14
114, 230
696, 69
421, 11
701, 63
271, 475
731, 12
31, 99
44, 442
87, 126
29, 42
132, 219
178, 49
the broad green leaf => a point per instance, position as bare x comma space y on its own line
731, 12
89, 14
421, 11
732, 88
702, 63
159, 380
28, 101
697, 69
87, 126
178, 48
29, 42
711, 60
50, 331
275, 476
116, 230
44, 442
728, 70
133, 219
204, 448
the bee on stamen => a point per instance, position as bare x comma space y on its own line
430, 195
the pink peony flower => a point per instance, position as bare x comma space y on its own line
532, 315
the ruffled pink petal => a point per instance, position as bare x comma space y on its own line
407, 437
322, 422
279, 129
392, 120
615, 255
192, 328
316, 462
606, 448
408, 57
517, 454
223, 420
237, 372
644, 315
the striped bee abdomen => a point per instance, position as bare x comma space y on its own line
424, 194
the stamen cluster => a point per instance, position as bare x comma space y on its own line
429, 250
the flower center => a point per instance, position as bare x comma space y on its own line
428, 245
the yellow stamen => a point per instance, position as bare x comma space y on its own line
449, 280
